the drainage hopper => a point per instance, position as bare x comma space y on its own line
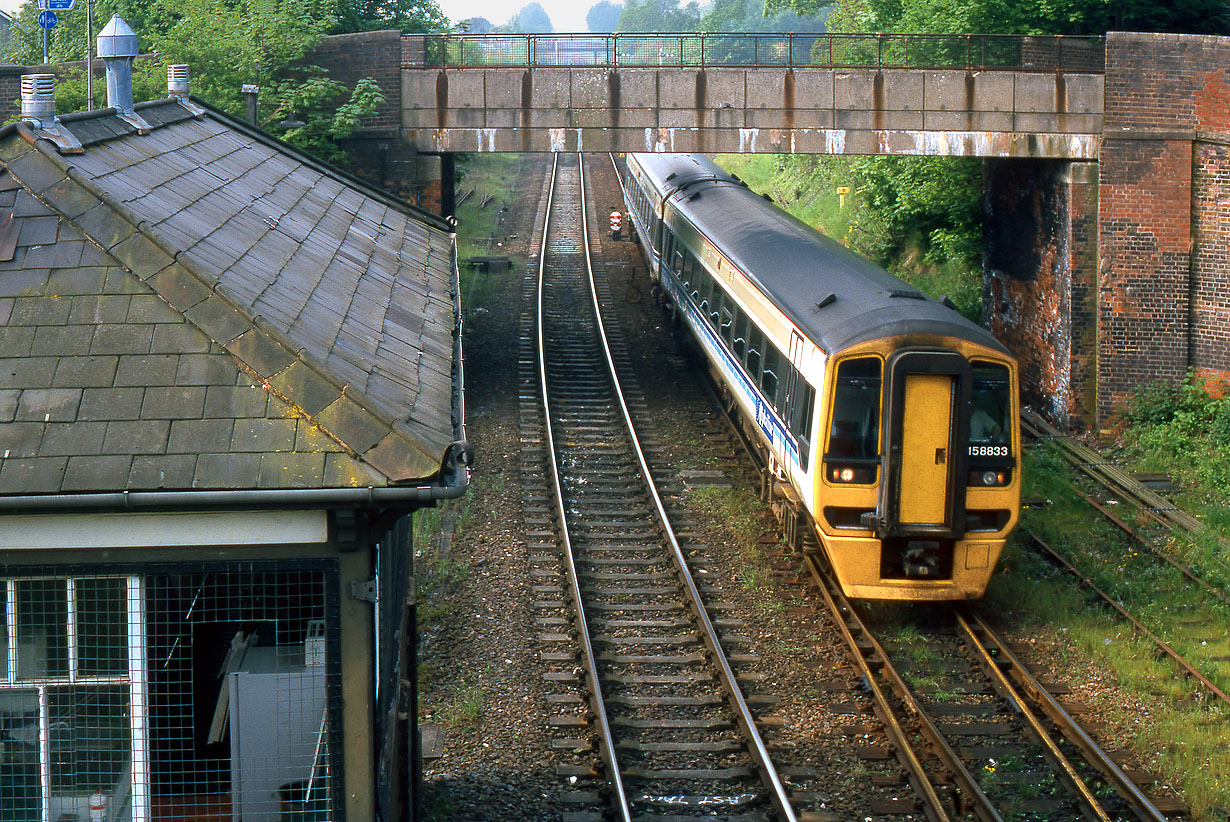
117, 46
38, 99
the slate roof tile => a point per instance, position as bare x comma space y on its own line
85, 372
172, 402
162, 471
41, 310
179, 337
292, 470
39, 475
69, 278
16, 341
259, 231
195, 436
111, 403
8, 404
22, 283
28, 372
89, 473
227, 470
147, 369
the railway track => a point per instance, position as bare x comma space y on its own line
645, 681
996, 743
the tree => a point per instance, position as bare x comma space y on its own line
532, 19
603, 16
407, 16
659, 15
476, 25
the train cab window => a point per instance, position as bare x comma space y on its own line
755, 347
990, 426
854, 430
769, 382
739, 343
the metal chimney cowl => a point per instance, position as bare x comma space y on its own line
117, 46
177, 81
38, 99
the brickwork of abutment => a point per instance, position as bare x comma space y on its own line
772, 110
1040, 266
1164, 225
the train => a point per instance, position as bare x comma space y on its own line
887, 424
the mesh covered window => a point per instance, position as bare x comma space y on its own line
191, 695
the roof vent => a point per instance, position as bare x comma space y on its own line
38, 98
177, 81
117, 45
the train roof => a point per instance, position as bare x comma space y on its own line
797, 267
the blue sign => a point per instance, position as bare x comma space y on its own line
47, 19
60, 5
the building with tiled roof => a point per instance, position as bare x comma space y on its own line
229, 374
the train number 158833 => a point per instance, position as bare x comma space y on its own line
988, 450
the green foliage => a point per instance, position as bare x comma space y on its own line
751, 15
406, 16
919, 217
1183, 430
532, 19
1017, 16
228, 43
659, 15
603, 16
323, 127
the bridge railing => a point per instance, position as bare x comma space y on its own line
978, 52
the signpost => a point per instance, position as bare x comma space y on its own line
47, 20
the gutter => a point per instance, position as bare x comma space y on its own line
279, 498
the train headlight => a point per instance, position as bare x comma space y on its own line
988, 478
855, 474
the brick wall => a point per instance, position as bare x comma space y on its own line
1040, 260
376, 54
1163, 298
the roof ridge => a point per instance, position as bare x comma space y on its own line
249, 338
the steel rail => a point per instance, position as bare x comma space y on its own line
605, 738
1136, 624
743, 713
841, 612
1094, 755
1066, 770
1095, 466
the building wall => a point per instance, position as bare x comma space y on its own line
1163, 279
1040, 261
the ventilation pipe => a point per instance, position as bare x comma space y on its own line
117, 46
177, 81
38, 99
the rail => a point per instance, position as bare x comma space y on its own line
971, 52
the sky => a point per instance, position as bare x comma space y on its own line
567, 16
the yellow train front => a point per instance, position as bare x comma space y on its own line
888, 424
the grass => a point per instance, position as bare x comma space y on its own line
477, 227
1190, 737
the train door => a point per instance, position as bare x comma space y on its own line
796, 402
922, 494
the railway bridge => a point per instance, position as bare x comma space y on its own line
1106, 160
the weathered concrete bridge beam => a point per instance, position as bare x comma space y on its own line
769, 110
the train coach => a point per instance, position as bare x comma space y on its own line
887, 422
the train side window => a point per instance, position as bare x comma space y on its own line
990, 420
769, 383
755, 345
727, 321
668, 248
688, 271
715, 306
705, 295
855, 427
739, 343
